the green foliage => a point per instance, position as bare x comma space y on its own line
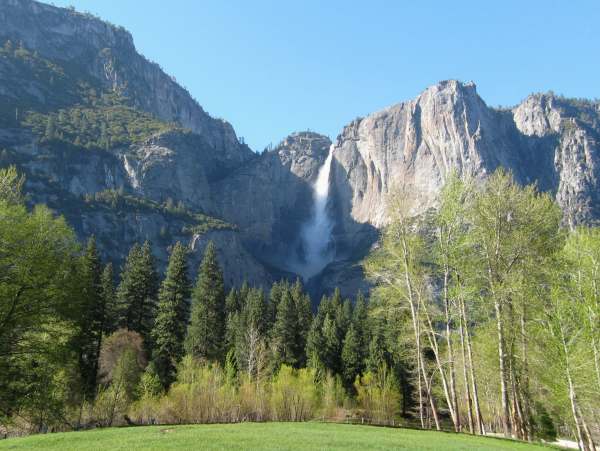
206, 331
138, 291
287, 350
109, 295
294, 394
377, 395
172, 314
71, 106
11, 186
89, 340
195, 223
106, 125
39, 309
352, 358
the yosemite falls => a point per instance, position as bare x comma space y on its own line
315, 235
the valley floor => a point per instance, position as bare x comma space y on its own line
264, 436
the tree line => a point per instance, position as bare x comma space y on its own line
78, 349
483, 318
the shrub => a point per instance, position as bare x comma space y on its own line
378, 396
294, 395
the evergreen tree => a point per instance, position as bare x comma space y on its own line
233, 301
232, 313
331, 345
206, 332
285, 333
376, 351
304, 312
111, 319
138, 290
92, 320
361, 325
352, 361
255, 311
345, 317
277, 290
245, 288
315, 344
169, 329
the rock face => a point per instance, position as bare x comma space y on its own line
158, 167
271, 197
153, 188
414, 145
107, 54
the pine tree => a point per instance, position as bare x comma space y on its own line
138, 290
232, 313
315, 342
304, 313
92, 319
315, 345
361, 325
172, 314
255, 311
277, 290
233, 302
352, 362
331, 345
206, 332
111, 319
285, 332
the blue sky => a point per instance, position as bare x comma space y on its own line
273, 67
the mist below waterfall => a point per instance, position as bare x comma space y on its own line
315, 235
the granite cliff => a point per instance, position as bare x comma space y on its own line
108, 139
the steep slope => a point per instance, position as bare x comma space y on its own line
106, 138
547, 140
415, 144
271, 197
109, 140
96, 50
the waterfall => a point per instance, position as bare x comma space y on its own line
315, 235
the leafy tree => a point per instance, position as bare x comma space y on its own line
39, 307
515, 235
206, 331
172, 315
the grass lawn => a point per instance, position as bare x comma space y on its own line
269, 436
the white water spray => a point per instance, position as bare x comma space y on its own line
316, 233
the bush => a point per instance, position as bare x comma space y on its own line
113, 348
378, 396
294, 395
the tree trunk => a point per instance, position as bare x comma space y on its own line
452, 373
506, 424
468, 399
429, 395
434, 346
524, 386
593, 325
478, 416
